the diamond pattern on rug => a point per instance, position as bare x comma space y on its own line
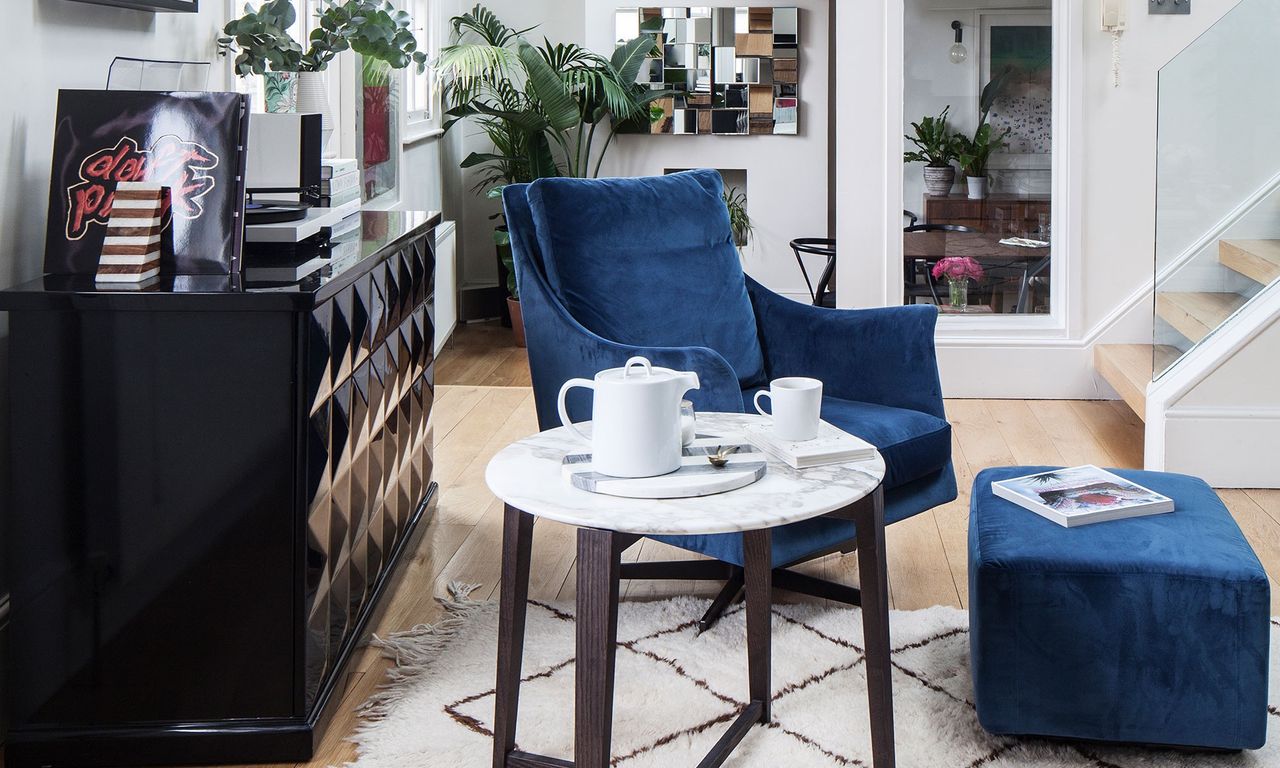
676, 691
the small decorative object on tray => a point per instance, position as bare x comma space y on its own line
832, 446
1081, 495
136, 236
697, 475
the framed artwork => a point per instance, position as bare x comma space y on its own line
735, 71
178, 6
1018, 47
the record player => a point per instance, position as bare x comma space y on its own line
283, 180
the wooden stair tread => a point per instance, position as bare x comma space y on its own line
1258, 260
1128, 368
1195, 315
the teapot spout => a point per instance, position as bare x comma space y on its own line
689, 380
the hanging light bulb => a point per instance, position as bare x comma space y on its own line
958, 52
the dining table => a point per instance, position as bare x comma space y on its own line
1013, 266
985, 248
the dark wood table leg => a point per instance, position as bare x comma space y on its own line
517, 541
757, 553
598, 570
868, 515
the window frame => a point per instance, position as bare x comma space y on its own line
420, 121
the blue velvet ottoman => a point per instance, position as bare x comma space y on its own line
1152, 630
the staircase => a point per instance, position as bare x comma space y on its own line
1205, 384
1192, 316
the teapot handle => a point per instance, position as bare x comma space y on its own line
637, 360
564, 412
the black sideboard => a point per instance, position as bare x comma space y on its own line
214, 484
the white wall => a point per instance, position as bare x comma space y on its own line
931, 81
1117, 161
786, 175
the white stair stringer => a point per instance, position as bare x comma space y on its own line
1216, 413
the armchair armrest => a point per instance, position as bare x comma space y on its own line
566, 349
884, 356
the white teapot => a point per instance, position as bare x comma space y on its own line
635, 424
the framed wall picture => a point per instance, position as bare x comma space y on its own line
173, 6
1017, 48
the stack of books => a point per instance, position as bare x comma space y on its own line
339, 183
832, 446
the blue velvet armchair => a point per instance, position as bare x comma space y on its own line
611, 268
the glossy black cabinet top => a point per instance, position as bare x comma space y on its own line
347, 258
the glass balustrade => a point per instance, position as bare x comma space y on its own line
1218, 179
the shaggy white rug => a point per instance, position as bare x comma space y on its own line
676, 692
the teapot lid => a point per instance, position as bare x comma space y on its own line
638, 370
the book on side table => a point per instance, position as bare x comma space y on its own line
1081, 495
832, 446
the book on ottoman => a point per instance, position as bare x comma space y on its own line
1081, 495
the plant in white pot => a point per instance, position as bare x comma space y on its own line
936, 147
975, 153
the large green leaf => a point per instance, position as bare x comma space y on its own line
542, 164
557, 104
629, 56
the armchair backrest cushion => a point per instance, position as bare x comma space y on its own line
649, 261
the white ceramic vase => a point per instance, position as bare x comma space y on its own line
977, 187
313, 96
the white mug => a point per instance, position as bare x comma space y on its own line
796, 403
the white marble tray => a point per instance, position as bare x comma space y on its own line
695, 477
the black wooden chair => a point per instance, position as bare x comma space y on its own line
822, 295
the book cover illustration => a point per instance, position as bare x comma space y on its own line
192, 143
1082, 490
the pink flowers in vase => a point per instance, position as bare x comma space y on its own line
955, 268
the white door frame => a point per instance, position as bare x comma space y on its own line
869, 211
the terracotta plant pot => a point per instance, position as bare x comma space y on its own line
517, 320
938, 180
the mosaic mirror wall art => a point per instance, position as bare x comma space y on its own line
734, 71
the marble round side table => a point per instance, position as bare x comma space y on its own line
526, 475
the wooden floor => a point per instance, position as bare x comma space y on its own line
483, 402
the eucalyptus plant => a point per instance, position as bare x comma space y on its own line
375, 29
260, 39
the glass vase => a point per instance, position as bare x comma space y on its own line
958, 293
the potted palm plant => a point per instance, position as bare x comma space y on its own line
735, 200
936, 147
547, 110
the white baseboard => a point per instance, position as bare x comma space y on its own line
1230, 447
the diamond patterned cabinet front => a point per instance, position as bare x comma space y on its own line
369, 386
